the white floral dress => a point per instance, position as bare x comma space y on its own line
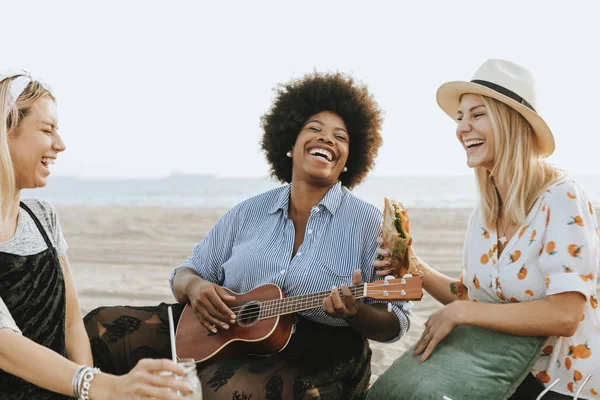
555, 251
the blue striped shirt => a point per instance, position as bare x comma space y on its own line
252, 245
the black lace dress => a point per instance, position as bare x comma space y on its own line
320, 362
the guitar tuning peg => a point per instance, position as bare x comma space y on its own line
389, 277
407, 276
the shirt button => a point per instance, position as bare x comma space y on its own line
282, 271
309, 231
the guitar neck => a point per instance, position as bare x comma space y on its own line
290, 305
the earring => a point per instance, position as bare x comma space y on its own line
289, 154
345, 169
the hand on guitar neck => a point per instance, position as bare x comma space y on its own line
335, 307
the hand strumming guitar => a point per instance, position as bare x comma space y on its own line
208, 301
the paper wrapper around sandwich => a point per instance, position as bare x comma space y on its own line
402, 259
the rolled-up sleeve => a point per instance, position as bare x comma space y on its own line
213, 251
569, 259
6, 319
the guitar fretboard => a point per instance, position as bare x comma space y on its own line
289, 305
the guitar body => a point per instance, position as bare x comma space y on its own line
248, 335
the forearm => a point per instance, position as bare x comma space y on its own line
440, 286
41, 366
78, 344
530, 318
375, 322
181, 282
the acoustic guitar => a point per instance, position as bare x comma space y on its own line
265, 318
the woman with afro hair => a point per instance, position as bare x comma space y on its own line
312, 234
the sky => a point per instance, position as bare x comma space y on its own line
150, 88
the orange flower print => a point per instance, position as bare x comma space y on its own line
594, 301
522, 273
567, 269
571, 196
548, 217
492, 250
500, 295
592, 391
544, 208
475, 282
543, 377
459, 290
581, 351
570, 386
513, 300
532, 239
547, 282
591, 207
523, 231
547, 350
574, 250
529, 292
587, 277
485, 233
577, 376
484, 259
514, 257
568, 363
562, 183
550, 248
576, 220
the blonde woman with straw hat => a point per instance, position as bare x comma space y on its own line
531, 249
44, 348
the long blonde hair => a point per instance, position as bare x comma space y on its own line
518, 167
10, 118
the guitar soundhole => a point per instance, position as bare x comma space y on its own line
249, 313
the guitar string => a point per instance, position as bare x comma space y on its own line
283, 308
314, 296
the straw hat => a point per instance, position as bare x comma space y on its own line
504, 81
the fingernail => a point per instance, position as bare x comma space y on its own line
214, 330
225, 326
232, 316
333, 287
386, 253
387, 263
232, 321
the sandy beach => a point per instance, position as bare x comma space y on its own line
123, 256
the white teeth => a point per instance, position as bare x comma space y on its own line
324, 152
471, 143
48, 161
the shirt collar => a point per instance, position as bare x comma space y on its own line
331, 201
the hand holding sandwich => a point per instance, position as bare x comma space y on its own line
396, 256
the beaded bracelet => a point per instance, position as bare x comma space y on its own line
82, 382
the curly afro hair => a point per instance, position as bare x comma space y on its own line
302, 98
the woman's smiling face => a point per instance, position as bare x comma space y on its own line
35, 144
321, 149
475, 133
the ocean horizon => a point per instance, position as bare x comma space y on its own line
225, 192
